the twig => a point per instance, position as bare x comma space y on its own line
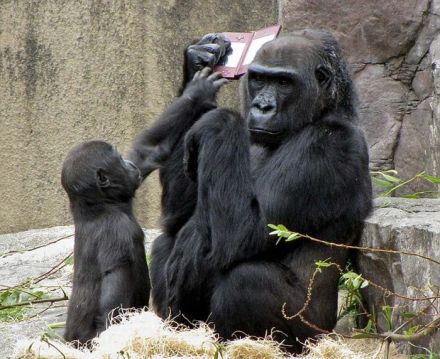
53, 270
387, 193
388, 292
369, 249
31, 302
42, 311
34, 248
44, 339
428, 329
41, 277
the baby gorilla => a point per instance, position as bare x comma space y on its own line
110, 265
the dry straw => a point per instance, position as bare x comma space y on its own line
143, 335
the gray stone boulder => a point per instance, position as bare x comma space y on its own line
28, 255
410, 226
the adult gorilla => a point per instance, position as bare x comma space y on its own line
299, 158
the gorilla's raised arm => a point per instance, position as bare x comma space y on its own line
155, 144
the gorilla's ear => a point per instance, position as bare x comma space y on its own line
324, 76
101, 179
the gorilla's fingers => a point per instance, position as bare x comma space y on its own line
204, 73
214, 49
215, 76
196, 75
211, 48
198, 57
219, 83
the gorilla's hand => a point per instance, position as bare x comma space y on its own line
205, 53
204, 86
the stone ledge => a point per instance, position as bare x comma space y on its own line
403, 225
17, 264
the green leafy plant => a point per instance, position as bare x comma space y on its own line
283, 233
390, 183
425, 356
11, 300
352, 283
388, 313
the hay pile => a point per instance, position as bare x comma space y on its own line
144, 335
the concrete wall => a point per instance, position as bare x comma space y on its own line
92, 69
98, 69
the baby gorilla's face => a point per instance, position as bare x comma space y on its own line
133, 172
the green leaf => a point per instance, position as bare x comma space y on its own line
392, 172
431, 179
381, 183
391, 178
12, 314
272, 226
356, 283
369, 328
363, 336
69, 261
411, 196
388, 314
411, 331
323, 264
282, 228
57, 325
293, 236
408, 315
365, 283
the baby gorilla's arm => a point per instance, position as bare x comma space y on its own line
115, 293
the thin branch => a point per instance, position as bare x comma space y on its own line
387, 193
44, 339
429, 329
53, 270
42, 311
31, 302
34, 248
369, 249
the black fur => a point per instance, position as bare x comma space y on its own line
298, 157
110, 269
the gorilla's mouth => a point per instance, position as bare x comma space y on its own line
264, 132
263, 135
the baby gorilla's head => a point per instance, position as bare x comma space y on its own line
96, 172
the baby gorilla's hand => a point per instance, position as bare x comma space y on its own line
204, 87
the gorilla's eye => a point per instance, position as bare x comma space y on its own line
257, 78
283, 82
320, 76
256, 81
323, 75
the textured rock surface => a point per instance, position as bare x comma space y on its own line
77, 70
393, 47
20, 259
412, 226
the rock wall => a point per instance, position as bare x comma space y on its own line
393, 48
77, 70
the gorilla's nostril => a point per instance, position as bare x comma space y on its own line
266, 107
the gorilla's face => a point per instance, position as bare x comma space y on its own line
285, 88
